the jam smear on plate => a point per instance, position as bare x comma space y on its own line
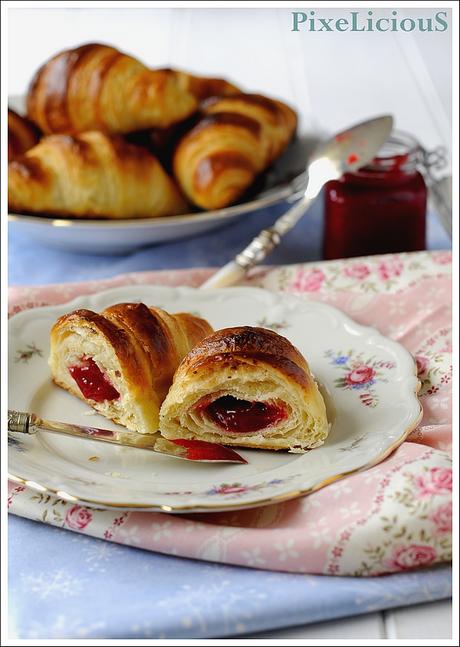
92, 382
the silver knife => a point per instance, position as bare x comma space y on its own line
185, 448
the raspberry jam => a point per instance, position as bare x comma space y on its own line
92, 382
241, 416
200, 450
380, 208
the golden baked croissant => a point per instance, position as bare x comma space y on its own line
238, 137
249, 387
91, 175
22, 135
97, 87
162, 141
122, 361
204, 87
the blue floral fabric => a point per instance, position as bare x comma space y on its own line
66, 585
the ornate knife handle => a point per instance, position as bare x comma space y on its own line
269, 238
259, 248
21, 422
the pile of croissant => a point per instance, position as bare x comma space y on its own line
107, 137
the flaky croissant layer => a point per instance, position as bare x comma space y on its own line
248, 387
122, 361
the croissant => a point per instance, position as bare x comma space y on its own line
204, 87
22, 135
162, 141
237, 138
122, 361
91, 175
249, 387
97, 87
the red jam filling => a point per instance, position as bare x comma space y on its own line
242, 416
92, 382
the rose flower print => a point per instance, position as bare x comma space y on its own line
360, 377
411, 556
360, 374
78, 518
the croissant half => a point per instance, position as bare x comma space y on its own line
248, 387
91, 175
237, 138
22, 135
122, 361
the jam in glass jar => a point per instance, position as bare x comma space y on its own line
380, 208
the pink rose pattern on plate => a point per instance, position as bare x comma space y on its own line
238, 488
359, 374
235, 489
392, 517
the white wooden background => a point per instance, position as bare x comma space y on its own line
332, 79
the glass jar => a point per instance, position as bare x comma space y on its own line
380, 208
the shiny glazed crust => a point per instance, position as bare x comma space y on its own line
91, 175
22, 135
253, 364
97, 87
136, 347
236, 139
204, 87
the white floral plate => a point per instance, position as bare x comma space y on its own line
369, 383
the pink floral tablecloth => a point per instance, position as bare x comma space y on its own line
392, 517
